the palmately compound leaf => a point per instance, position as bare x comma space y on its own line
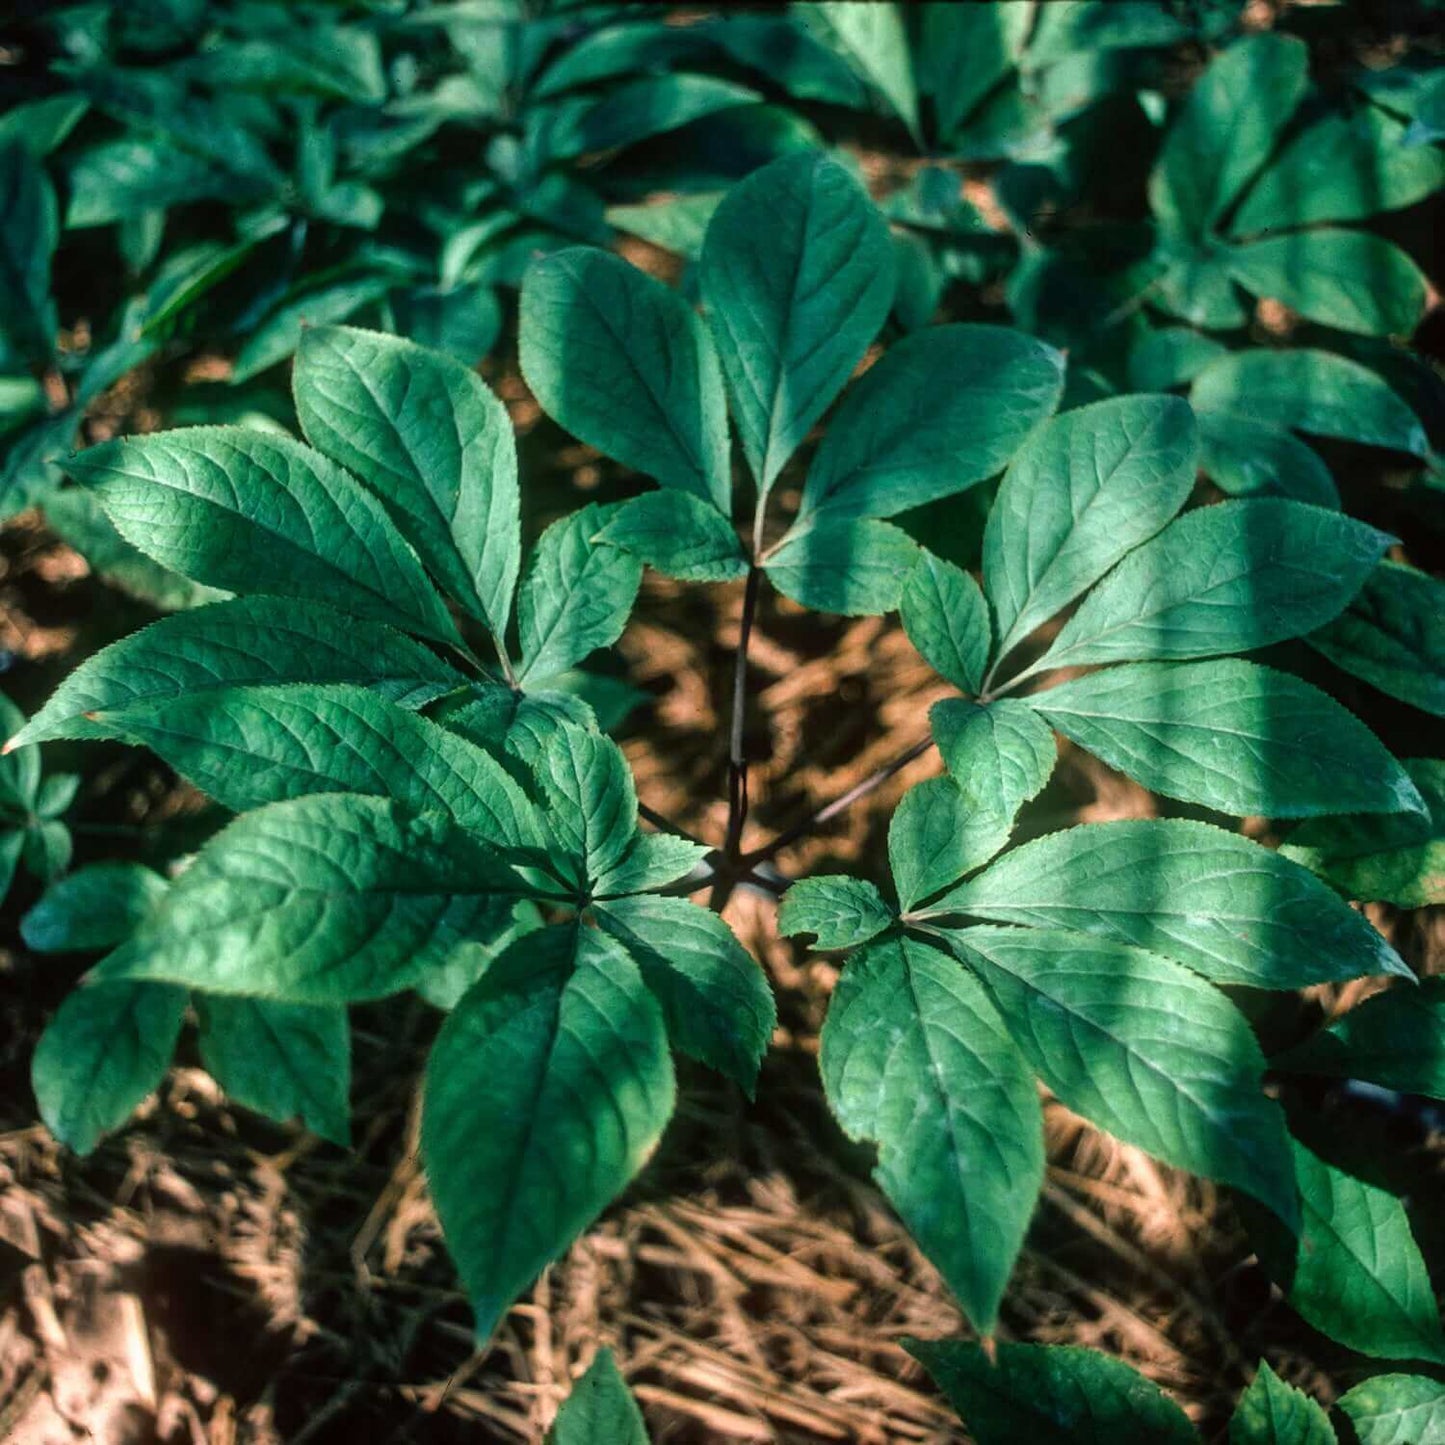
560, 1052
1342, 168
593, 804
1347, 279
1311, 391
855, 568
797, 278
600, 1410
1226, 129
943, 409
1396, 1410
1224, 906
1227, 578
1393, 636
1051, 1395
109, 1046
248, 642
946, 619
95, 907
286, 1061
1233, 736
714, 997
1271, 1412
576, 595
624, 363
1354, 1271
253, 512
1395, 1039
247, 746
1142, 1048
326, 899
678, 534
424, 433
915, 1058
841, 912
1087, 487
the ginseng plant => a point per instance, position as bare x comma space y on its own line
422, 807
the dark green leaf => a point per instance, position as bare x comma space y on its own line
1232, 736
1170, 357
842, 912
121, 179
714, 997
1245, 457
873, 41
312, 307
915, 1058
93, 908
652, 860
576, 595
1051, 1395
29, 231
1355, 1271
1228, 908
594, 808
929, 840
1273, 1413
105, 1050
1144, 1049
946, 619
561, 1052
257, 513
944, 409
797, 276
962, 54
624, 363
1227, 578
1086, 488
433, 443
856, 568
680, 535
286, 1061
1396, 1410
600, 1410
398, 894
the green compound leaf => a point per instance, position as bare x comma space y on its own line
944, 409
946, 619
105, 1050
562, 1050
714, 997
842, 912
1346, 279
426, 436
1232, 736
29, 231
1273, 1413
576, 595
248, 746
1311, 391
1142, 1048
593, 804
915, 1058
1051, 1395
1355, 1271
1227, 578
1245, 458
624, 363
1085, 489
600, 1410
856, 568
652, 860
398, 896
797, 277
253, 512
1225, 907
1226, 129
1396, 1410
286, 1061
1395, 1039
929, 840
93, 908
1343, 168
248, 642
1393, 636
678, 534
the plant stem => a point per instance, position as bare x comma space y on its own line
664, 824
737, 756
831, 810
